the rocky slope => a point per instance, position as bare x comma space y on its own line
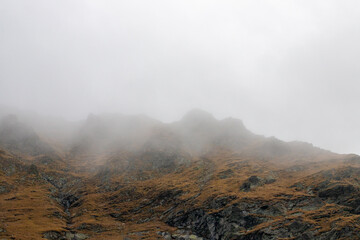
132, 177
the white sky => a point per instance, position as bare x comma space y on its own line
286, 68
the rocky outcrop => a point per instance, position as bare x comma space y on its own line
220, 225
338, 191
255, 181
56, 235
251, 183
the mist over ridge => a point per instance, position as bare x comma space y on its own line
196, 133
286, 69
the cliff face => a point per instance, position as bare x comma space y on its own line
132, 177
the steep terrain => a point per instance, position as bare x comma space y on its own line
132, 177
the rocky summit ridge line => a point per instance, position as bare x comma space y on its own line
132, 177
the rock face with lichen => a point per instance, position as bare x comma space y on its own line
132, 177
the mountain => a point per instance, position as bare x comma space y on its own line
115, 176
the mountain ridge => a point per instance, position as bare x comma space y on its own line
132, 177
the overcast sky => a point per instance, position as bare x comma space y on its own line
288, 69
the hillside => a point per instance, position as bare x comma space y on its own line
133, 177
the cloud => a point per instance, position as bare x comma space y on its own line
287, 69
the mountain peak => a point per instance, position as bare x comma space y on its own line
198, 115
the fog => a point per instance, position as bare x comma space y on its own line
286, 68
